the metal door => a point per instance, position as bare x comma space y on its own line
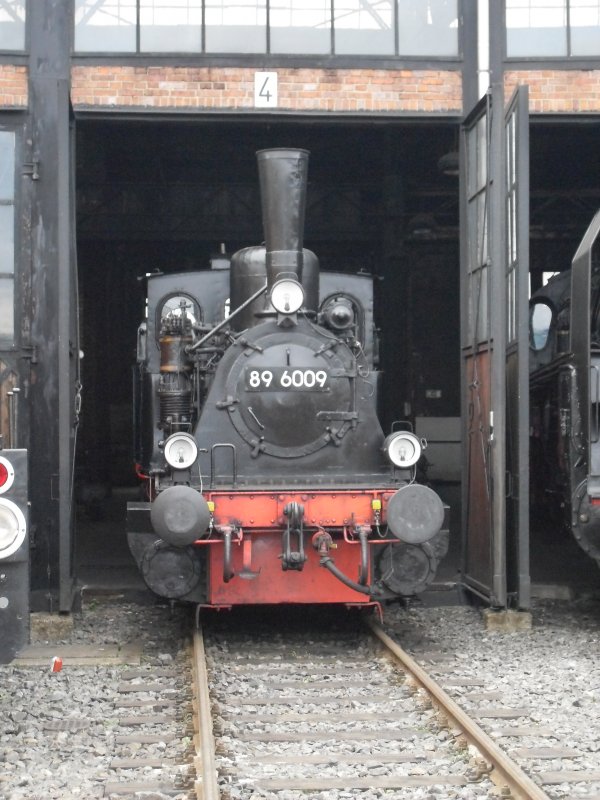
517, 347
69, 386
55, 390
494, 316
13, 350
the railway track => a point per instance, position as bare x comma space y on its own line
320, 705
152, 735
344, 715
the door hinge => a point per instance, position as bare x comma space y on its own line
32, 169
30, 352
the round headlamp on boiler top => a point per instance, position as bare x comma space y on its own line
181, 450
287, 296
403, 448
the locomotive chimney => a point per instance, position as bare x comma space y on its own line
283, 180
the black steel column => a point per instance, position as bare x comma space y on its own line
50, 23
497, 304
470, 77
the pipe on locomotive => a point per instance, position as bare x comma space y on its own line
283, 177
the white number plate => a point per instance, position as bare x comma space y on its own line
278, 379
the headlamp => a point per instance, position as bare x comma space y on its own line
403, 449
7, 475
287, 296
181, 450
13, 528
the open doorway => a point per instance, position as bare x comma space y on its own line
565, 196
156, 195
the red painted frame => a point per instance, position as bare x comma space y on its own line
258, 518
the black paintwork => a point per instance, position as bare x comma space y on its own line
279, 400
565, 395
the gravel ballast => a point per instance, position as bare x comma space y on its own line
58, 729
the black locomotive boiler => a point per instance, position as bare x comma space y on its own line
268, 476
564, 339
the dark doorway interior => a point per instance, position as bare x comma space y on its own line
565, 195
565, 191
161, 195
164, 195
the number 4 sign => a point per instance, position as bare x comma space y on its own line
265, 89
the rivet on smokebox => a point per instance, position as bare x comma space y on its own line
56, 664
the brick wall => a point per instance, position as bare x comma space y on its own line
13, 86
350, 90
554, 91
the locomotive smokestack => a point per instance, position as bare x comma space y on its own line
283, 179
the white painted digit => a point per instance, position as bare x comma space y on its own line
321, 377
309, 378
286, 379
266, 377
254, 379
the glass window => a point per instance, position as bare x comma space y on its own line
540, 318
7, 239
511, 228
585, 27
7, 309
171, 26
536, 28
304, 27
239, 26
7, 166
428, 27
364, 27
300, 26
175, 307
7, 234
105, 26
12, 25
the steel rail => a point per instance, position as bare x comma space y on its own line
206, 785
504, 770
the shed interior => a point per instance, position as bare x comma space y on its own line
167, 196
162, 194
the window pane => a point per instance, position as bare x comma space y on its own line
7, 308
364, 27
585, 27
540, 319
300, 26
7, 239
536, 28
428, 27
173, 26
239, 26
477, 314
12, 25
7, 165
105, 26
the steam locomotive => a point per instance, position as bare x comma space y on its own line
564, 369
268, 477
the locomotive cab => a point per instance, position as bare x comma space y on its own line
267, 474
565, 397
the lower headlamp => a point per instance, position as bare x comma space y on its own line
181, 450
403, 448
